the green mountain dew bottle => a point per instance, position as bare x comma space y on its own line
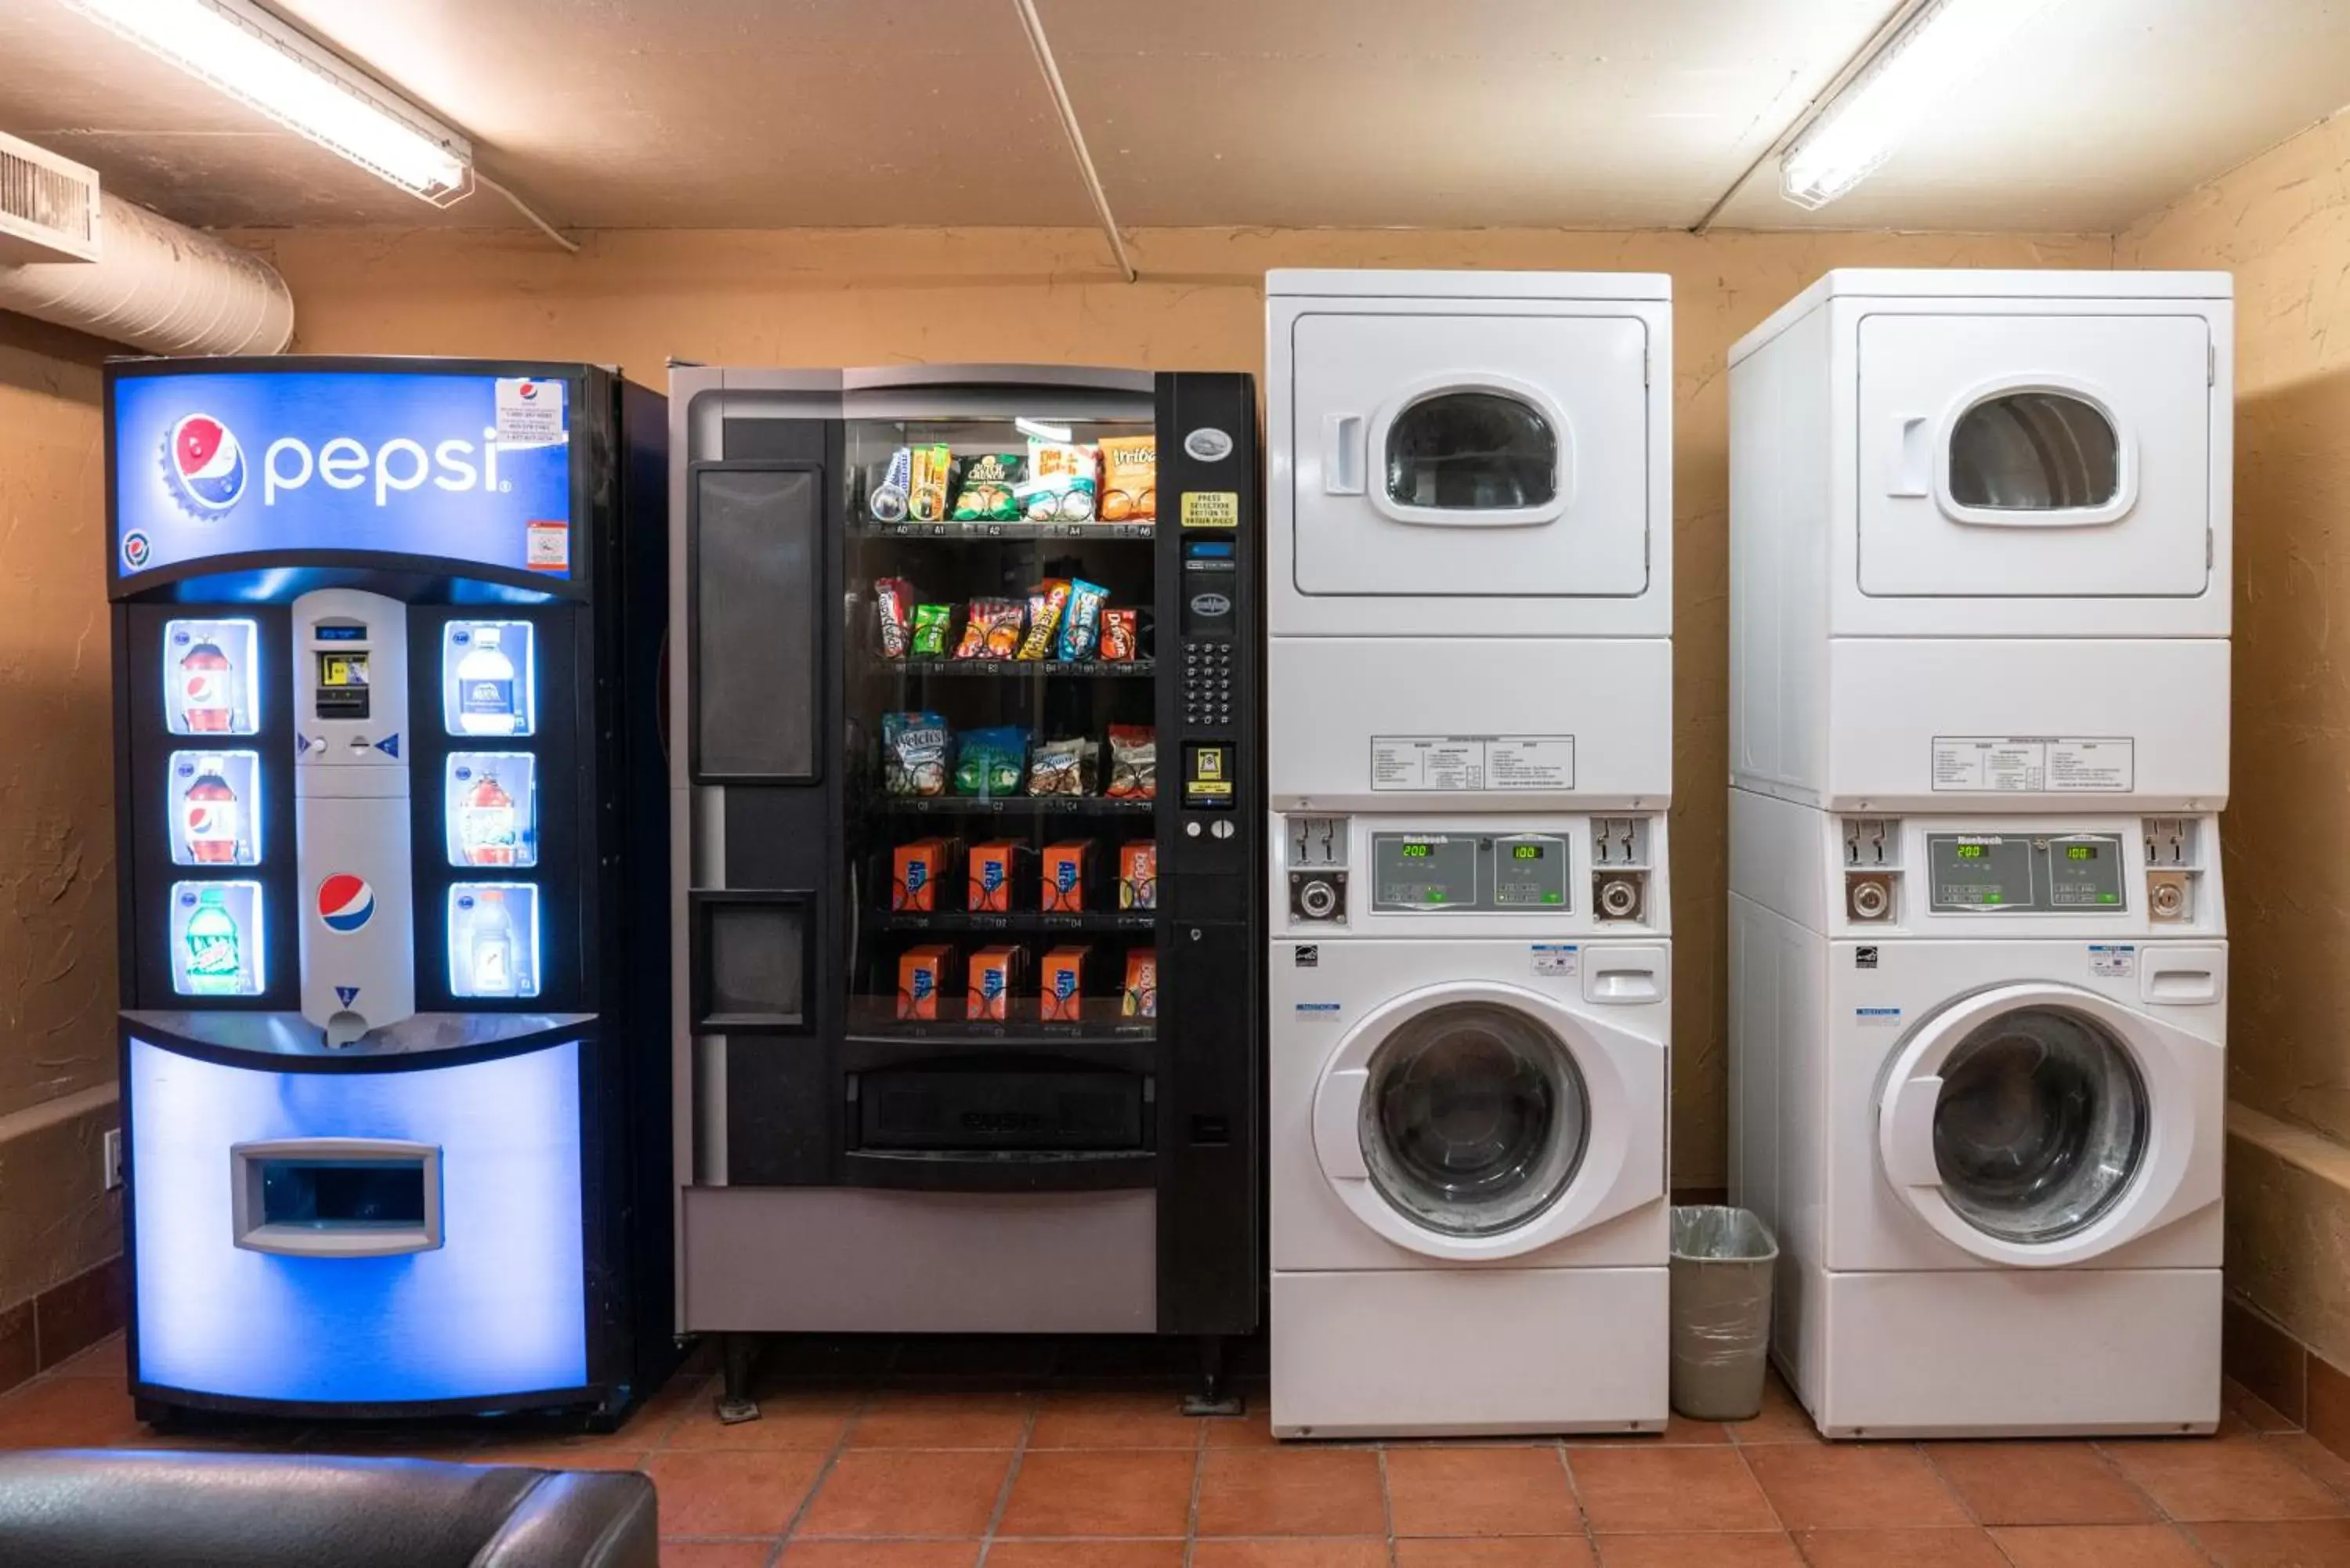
214, 966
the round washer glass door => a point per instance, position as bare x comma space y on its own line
2041, 1123
1474, 1119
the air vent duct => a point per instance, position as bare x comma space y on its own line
141, 279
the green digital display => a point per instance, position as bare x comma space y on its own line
1971, 851
2080, 852
1526, 851
1415, 851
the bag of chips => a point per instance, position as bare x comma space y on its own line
926, 491
1060, 484
986, 493
914, 753
932, 624
1121, 634
1081, 624
886, 502
990, 763
1046, 601
1129, 479
893, 606
992, 629
1063, 767
1133, 762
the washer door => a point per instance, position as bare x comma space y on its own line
2043, 1125
1480, 1120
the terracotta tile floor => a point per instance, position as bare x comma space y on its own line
1026, 1454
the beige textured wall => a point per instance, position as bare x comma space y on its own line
867, 296
57, 826
2282, 225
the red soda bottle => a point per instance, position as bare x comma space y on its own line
207, 690
209, 812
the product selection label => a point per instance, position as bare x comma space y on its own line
473, 469
2034, 764
1435, 762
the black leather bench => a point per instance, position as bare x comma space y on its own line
102, 1508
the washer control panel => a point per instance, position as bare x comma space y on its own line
2025, 873
1430, 871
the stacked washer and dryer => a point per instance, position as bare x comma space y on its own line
1469, 691
1979, 537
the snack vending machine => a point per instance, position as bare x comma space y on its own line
967, 797
387, 637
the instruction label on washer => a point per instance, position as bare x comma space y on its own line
1473, 761
1555, 958
1318, 1012
2112, 961
2034, 764
1877, 1017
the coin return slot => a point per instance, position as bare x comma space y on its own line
1869, 897
1619, 895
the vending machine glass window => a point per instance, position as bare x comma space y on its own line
217, 935
1000, 730
493, 940
211, 677
215, 801
491, 800
488, 684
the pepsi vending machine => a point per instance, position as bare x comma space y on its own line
393, 870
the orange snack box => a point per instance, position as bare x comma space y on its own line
914, 873
1064, 882
1140, 997
1064, 988
924, 976
993, 973
991, 870
1138, 874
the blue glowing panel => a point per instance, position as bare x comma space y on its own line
498, 1308
465, 468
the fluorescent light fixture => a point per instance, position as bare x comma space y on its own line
262, 61
1944, 45
1041, 430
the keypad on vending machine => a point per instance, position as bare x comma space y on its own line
1207, 683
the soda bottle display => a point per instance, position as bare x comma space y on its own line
207, 690
486, 688
489, 945
489, 828
215, 964
211, 817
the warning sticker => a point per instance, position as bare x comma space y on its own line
2034, 764
1473, 761
1211, 509
547, 544
1555, 958
2112, 961
530, 412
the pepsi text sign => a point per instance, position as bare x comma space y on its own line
469, 468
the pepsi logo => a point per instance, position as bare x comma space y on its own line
135, 550
345, 902
527, 391
202, 823
205, 465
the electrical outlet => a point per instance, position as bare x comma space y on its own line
110, 1151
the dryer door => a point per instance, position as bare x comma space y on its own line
2034, 457
2041, 1125
1479, 1120
1459, 455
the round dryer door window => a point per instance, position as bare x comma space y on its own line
2035, 451
1474, 1119
2040, 1124
1473, 451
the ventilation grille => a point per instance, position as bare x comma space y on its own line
48, 207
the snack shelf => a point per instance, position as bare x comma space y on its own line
1030, 920
953, 533
875, 1022
1018, 805
1012, 669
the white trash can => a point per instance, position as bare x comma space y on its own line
1721, 1264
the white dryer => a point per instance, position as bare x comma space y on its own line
2036, 462
1979, 1080
1470, 558
1467, 1137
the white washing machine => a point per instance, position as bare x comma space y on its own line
1467, 1137
2037, 462
1470, 566
1979, 1083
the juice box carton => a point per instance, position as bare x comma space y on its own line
993, 972
1139, 998
1064, 883
1063, 986
1138, 874
993, 868
924, 974
914, 873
